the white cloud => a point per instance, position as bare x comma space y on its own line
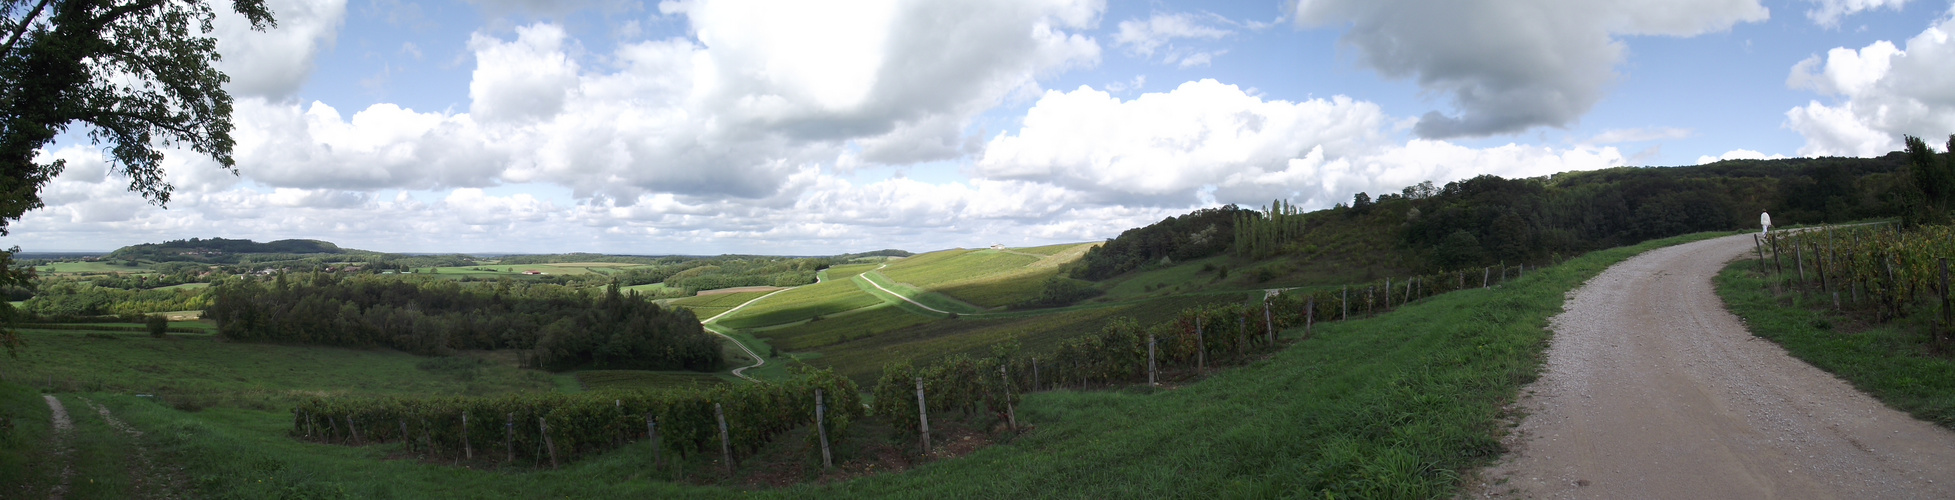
1738, 154
1615, 136
1161, 29
1206, 141
1829, 12
276, 62
1509, 65
1882, 92
523, 80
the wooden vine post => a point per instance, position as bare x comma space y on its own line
1344, 303
1035, 374
544, 427
1486, 273
726, 443
1799, 258
923, 416
1309, 315
821, 426
468, 449
509, 438
651, 434
1011, 413
405, 442
1946, 314
1269, 325
1201, 346
1150, 362
1388, 293
355, 430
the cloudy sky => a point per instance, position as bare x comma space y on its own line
819, 127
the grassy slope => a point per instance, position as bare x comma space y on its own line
836, 293
1391, 406
1892, 362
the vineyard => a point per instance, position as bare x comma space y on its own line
1878, 273
552, 429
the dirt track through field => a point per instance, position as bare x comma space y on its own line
63, 450
1653, 390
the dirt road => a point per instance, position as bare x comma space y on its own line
1654, 390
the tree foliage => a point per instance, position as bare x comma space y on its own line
562, 328
1195, 235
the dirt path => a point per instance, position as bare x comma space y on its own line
146, 479
1654, 390
63, 451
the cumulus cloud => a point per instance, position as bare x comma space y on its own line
1737, 154
274, 63
1509, 65
1621, 135
1145, 36
1829, 12
1209, 142
1880, 92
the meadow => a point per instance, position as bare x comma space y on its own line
1396, 405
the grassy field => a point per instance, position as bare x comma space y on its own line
841, 327
939, 268
1395, 406
836, 294
707, 306
199, 370
89, 267
514, 270
1893, 362
891, 289
185, 286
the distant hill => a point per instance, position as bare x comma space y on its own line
216, 249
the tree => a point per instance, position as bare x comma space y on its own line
1934, 180
158, 325
132, 71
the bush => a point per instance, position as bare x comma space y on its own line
158, 326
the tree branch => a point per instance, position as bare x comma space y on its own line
22, 29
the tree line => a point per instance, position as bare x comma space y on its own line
560, 328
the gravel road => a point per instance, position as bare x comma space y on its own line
1654, 390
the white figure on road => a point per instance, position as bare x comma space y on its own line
1765, 219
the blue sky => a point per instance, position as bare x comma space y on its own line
749, 126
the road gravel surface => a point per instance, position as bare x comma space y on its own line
1653, 390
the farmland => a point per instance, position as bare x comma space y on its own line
1449, 364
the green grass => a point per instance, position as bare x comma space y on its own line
1395, 406
27, 468
707, 306
935, 300
89, 267
802, 303
196, 371
1894, 362
1051, 249
841, 327
934, 269
647, 289
185, 286
517, 270
1179, 278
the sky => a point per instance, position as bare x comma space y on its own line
800, 127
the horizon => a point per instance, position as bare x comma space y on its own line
713, 127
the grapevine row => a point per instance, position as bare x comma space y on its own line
546, 428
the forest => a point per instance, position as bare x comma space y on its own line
561, 328
1487, 220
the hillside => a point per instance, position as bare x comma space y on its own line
216, 249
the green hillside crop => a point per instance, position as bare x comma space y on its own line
707, 306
